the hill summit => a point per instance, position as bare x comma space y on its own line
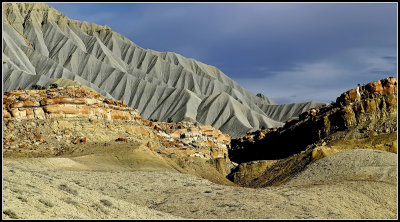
41, 45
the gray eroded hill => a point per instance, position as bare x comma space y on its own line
41, 45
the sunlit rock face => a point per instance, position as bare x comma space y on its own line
55, 120
355, 114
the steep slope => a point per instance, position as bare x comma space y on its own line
41, 45
232, 117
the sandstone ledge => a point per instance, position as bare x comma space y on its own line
64, 102
95, 119
355, 114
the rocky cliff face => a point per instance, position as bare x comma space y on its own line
64, 102
57, 121
358, 112
363, 117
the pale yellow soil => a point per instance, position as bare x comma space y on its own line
77, 187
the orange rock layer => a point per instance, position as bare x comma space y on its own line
73, 103
374, 89
63, 102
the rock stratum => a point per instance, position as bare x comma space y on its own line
41, 45
75, 121
363, 117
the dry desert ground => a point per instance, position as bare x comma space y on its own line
355, 184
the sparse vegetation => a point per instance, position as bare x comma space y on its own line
46, 203
10, 213
53, 86
106, 202
67, 189
23, 199
70, 201
99, 208
37, 87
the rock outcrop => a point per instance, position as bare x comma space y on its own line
55, 121
363, 117
41, 45
64, 102
375, 109
178, 136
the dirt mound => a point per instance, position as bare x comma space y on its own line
352, 165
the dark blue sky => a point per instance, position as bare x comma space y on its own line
291, 52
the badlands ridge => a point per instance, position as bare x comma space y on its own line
42, 45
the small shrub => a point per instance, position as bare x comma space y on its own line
106, 202
46, 202
23, 199
70, 201
99, 208
67, 189
10, 213
53, 86
169, 120
37, 87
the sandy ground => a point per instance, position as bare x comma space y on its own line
353, 184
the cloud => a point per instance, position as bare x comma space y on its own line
325, 79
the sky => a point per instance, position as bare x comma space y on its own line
290, 52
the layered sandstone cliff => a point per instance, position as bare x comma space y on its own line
372, 107
66, 120
63, 102
363, 117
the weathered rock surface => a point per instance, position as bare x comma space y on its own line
41, 45
364, 117
375, 110
55, 121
